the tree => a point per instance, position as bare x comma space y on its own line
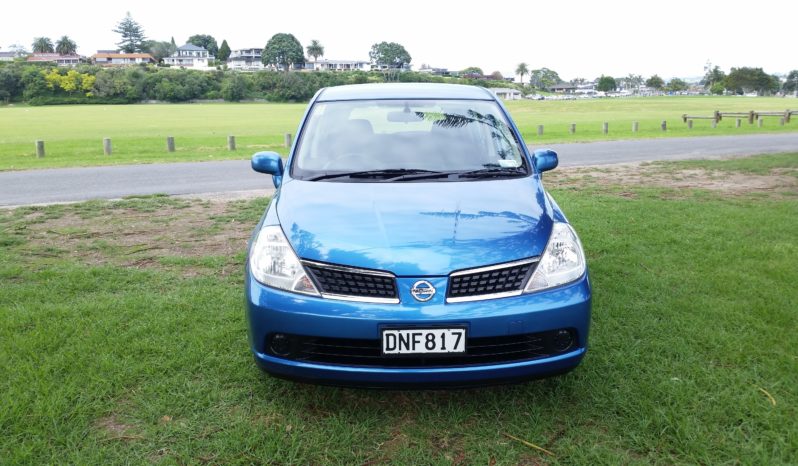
159, 49
315, 49
283, 50
473, 70
713, 76
235, 88
389, 55
543, 78
224, 52
522, 70
606, 84
66, 46
42, 45
677, 85
496, 76
132, 35
745, 79
791, 83
655, 82
18, 49
205, 41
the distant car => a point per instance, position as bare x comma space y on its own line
410, 242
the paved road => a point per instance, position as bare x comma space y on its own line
77, 184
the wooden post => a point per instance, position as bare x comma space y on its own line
572, 129
107, 146
287, 142
751, 117
738, 123
40, 148
781, 121
689, 124
635, 126
540, 130
718, 116
605, 128
714, 123
170, 143
664, 125
759, 121
231, 143
787, 114
684, 117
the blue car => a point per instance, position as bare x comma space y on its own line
410, 243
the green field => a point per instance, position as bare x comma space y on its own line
123, 339
73, 134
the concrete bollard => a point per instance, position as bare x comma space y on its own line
635, 126
664, 125
107, 146
605, 128
760, 121
231, 143
714, 123
572, 129
287, 142
689, 124
738, 123
40, 148
540, 130
170, 144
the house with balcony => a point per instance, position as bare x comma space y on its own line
246, 60
337, 65
189, 56
8, 56
56, 58
107, 58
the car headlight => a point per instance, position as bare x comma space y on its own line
273, 262
563, 260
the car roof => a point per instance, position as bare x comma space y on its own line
404, 91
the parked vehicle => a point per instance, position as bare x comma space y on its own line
411, 242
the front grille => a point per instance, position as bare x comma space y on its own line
490, 280
357, 283
368, 353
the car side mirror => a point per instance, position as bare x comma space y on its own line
544, 160
270, 163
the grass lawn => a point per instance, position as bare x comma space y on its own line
73, 134
123, 339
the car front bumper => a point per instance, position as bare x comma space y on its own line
271, 311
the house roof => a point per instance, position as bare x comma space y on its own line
122, 55
8, 54
404, 91
504, 90
192, 47
51, 57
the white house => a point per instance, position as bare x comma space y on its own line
246, 59
104, 58
338, 65
7, 56
58, 59
189, 56
506, 93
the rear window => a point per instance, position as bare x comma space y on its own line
433, 135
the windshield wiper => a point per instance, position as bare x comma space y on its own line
388, 173
493, 172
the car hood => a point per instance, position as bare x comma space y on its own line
415, 229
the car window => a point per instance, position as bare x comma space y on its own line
444, 135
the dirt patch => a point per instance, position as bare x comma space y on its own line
181, 233
646, 175
115, 429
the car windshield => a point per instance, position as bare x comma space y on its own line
407, 140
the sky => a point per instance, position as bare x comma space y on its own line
576, 38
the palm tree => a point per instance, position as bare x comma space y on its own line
42, 45
315, 49
66, 46
522, 70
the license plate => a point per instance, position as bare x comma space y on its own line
424, 341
